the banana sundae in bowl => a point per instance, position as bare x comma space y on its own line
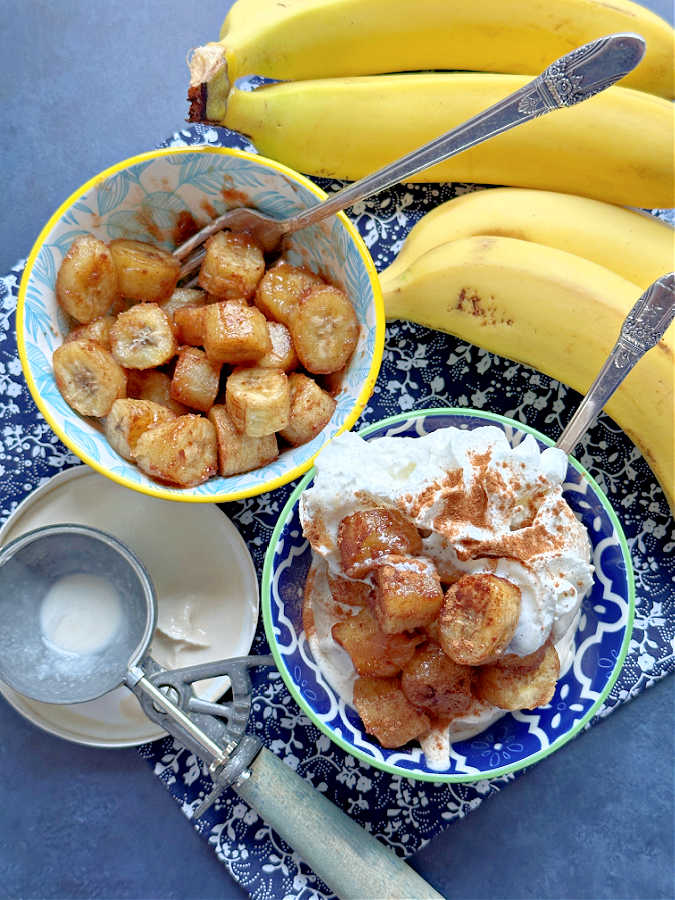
447, 579
449, 585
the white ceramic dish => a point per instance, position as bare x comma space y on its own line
194, 555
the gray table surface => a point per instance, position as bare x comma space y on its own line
85, 84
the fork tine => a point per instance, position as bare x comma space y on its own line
188, 246
193, 263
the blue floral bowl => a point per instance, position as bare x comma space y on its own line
145, 198
518, 739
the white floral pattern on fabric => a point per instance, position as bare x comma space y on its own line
421, 368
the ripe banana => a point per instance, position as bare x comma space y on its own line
303, 39
551, 310
617, 146
638, 247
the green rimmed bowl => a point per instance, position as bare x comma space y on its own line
518, 739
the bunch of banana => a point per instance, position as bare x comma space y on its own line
306, 39
617, 146
545, 307
326, 122
637, 246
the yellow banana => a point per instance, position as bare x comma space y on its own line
550, 309
617, 146
638, 247
306, 39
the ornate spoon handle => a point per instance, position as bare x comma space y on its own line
569, 80
643, 328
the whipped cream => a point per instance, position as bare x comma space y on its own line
481, 506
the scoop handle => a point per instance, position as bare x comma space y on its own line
353, 863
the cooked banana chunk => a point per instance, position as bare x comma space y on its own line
145, 272
324, 329
478, 618
235, 333
371, 650
128, 419
352, 593
281, 288
86, 283
183, 297
519, 687
232, 267
258, 400
181, 452
154, 386
237, 452
282, 354
195, 379
311, 409
386, 712
188, 325
142, 337
98, 330
366, 535
408, 594
433, 682
88, 377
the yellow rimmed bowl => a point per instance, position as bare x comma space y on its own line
146, 198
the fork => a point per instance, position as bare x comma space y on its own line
573, 78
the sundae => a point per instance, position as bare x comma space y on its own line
447, 577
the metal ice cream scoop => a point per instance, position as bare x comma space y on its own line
353, 863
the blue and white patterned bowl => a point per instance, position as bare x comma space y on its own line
144, 198
519, 738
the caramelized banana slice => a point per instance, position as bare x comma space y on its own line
237, 452
142, 337
258, 400
519, 687
311, 409
433, 682
281, 288
182, 298
352, 593
98, 330
479, 618
386, 712
235, 333
181, 452
88, 377
195, 379
282, 354
154, 386
232, 267
86, 284
408, 593
188, 325
324, 329
128, 419
145, 272
371, 650
368, 534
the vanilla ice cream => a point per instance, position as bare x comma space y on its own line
481, 506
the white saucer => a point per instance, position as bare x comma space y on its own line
196, 559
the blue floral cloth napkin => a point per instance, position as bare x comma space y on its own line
421, 368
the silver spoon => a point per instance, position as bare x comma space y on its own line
642, 329
569, 80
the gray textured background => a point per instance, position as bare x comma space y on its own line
84, 85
